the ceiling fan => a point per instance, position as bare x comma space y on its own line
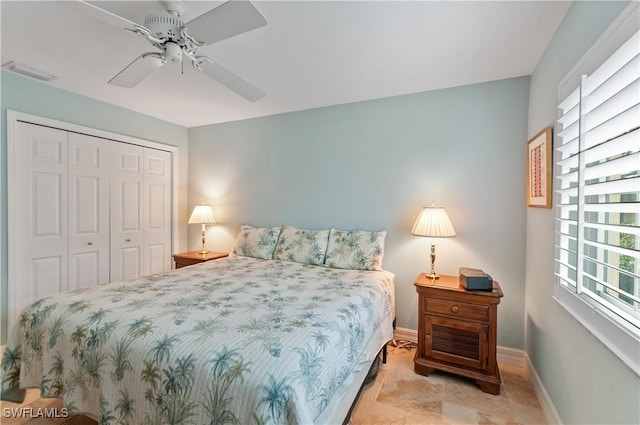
178, 40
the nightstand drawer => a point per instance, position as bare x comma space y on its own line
456, 309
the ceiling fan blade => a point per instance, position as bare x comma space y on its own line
228, 19
138, 70
228, 78
102, 15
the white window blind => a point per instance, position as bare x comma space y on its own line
597, 176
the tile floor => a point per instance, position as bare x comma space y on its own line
397, 396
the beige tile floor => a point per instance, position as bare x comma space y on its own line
399, 396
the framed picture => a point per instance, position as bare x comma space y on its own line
539, 177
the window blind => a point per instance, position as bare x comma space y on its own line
597, 174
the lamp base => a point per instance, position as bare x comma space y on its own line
203, 239
432, 274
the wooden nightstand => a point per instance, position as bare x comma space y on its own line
189, 258
457, 330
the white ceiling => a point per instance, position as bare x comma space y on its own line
310, 54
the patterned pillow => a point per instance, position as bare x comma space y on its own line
302, 246
355, 249
257, 242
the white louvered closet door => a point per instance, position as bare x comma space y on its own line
127, 242
89, 171
38, 228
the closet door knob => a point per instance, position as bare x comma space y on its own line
89, 243
127, 240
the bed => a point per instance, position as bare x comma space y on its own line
240, 340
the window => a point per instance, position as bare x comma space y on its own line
597, 196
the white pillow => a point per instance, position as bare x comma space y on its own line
355, 249
257, 242
302, 246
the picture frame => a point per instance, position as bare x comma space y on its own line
539, 166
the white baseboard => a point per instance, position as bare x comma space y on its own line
549, 410
512, 357
404, 334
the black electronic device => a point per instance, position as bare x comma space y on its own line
475, 279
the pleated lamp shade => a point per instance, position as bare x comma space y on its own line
433, 222
202, 214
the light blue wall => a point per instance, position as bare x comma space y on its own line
587, 383
373, 165
32, 97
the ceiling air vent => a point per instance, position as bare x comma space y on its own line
28, 71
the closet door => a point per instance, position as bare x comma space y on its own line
82, 211
157, 211
89, 170
126, 212
38, 215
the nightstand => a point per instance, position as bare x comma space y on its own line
457, 330
189, 258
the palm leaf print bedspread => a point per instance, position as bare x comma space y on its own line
234, 341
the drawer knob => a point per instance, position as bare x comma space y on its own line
455, 309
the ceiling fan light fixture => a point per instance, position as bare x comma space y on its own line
28, 71
172, 52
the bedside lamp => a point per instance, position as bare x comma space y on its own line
433, 222
202, 214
